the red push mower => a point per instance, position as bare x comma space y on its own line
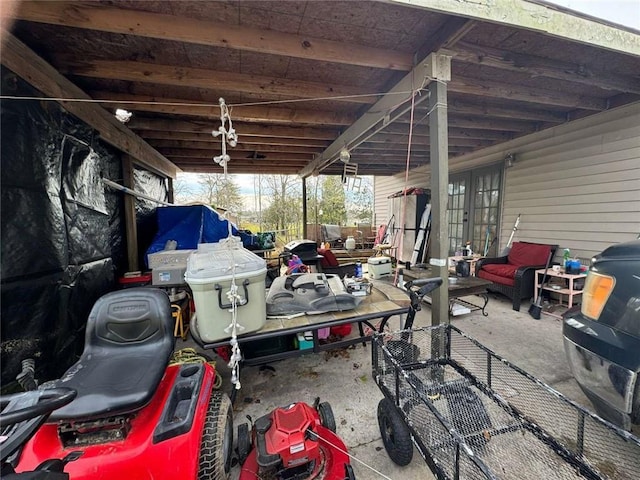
121, 412
296, 442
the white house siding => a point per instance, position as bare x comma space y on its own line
576, 185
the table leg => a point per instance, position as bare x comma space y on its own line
472, 306
484, 296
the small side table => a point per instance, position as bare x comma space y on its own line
569, 288
471, 259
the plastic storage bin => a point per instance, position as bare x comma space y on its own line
209, 274
379, 267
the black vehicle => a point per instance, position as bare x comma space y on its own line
602, 339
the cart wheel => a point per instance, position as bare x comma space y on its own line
244, 443
217, 439
326, 416
395, 433
348, 470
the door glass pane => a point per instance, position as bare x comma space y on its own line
485, 209
457, 189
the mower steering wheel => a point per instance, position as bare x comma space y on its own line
28, 411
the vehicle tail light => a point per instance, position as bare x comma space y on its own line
595, 294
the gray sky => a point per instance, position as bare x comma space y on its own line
622, 12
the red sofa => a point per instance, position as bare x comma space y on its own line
513, 275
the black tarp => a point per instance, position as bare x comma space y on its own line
62, 238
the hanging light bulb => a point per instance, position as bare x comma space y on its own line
345, 156
123, 115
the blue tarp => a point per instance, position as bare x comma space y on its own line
189, 226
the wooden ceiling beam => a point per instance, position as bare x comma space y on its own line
388, 106
469, 108
454, 132
485, 123
243, 129
191, 30
21, 60
245, 113
241, 147
201, 78
492, 124
241, 155
536, 66
248, 166
246, 140
243, 169
543, 18
396, 141
511, 91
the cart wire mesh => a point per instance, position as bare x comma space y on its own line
472, 414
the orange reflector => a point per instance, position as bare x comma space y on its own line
597, 289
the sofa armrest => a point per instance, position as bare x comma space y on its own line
486, 261
525, 280
528, 269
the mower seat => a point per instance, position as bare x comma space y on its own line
128, 342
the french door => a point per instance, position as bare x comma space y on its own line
474, 209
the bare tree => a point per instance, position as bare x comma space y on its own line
219, 190
183, 191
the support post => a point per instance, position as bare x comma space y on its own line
304, 207
131, 226
439, 155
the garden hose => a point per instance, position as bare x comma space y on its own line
189, 355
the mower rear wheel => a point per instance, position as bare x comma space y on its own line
244, 443
326, 416
216, 446
396, 436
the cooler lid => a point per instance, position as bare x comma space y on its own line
216, 260
378, 260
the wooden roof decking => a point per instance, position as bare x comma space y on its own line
298, 74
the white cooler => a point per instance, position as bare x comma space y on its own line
379, 267
209, 273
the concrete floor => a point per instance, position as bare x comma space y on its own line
343, 378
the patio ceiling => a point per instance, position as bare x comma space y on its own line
299, 75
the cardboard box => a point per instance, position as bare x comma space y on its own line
168, 258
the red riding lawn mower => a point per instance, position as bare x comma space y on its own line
296, 442
121, 412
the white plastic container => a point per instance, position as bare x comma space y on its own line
350, 243
379, 267
210, 270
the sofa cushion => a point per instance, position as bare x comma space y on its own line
505, 275
523, 253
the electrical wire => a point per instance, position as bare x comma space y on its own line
348, 454
192, 104
406, 174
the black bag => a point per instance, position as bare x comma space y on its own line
463, 268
